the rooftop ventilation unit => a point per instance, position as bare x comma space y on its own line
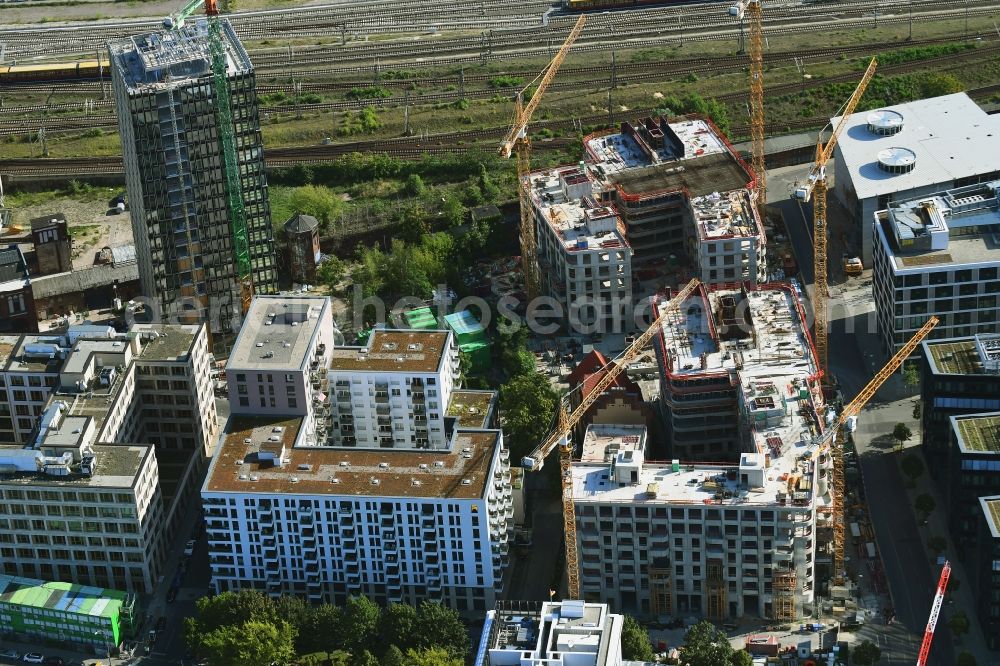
897, 160
438, 463
374, 481
334, 480
294, 479
466, 482
383, 465
885, 122
344, 463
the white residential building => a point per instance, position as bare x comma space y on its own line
583, 253
938, 254
425, 512
30, 374
73, 509
279, 362
562, 633
910, 150
326, 523
395, 391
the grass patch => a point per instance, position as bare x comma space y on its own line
80, 232
506, 81
371, 92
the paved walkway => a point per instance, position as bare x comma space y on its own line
911, 568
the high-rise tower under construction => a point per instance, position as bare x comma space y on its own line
175, 174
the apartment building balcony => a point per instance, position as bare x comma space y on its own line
382, 397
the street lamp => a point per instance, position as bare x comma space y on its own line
107, 647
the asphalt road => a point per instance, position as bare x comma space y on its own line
532, 576
908, 572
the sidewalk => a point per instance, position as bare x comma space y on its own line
70, 657
937, 525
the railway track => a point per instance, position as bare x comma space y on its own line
511, 36
103, 120
407, 148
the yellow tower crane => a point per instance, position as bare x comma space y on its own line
752, 10
560, 437
517, 141
829, 441
815, 188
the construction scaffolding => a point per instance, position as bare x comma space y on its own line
783, 587
661, 587
716, 590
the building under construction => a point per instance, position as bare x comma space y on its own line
719, 539
175, 176
653, 197
683, 195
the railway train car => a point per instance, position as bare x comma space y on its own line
83, 70
586, 5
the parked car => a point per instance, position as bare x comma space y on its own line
171, 595
54, 661
11, 654
189, 548
33, 658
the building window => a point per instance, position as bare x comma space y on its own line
15, 304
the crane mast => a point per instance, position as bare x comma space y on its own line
560, 437
230, 163
942, 587
816, 189
517, 141
752, 10
227, 141
827, 441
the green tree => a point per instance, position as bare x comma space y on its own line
901, 432
453, 210
911, 375
965, 658
316, 200
292, 610
705, 645
331, 272
320, 629
368, 120
865, 653
486, 185
414, 224
393, 657
741, 658
528, 404
635, 641
438, 626
937, 544
432, 657
958, 623
916, 410
364, 658
359, 624
473, 196
227, 610
251, 643
414, 186
924, 504
517, 362
912, 466
936, 84
397, 625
